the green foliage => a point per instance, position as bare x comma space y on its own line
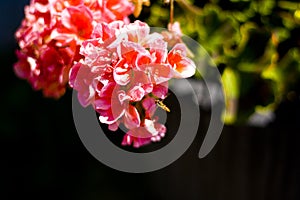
254, 43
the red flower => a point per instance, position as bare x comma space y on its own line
125, 71
51, 34
77, 20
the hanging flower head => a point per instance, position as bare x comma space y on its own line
124, 73
51, 34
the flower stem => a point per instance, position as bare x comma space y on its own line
171, 11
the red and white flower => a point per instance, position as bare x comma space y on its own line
51, 34
124, 71
119, 68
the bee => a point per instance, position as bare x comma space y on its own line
162, 105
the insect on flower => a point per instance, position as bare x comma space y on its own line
162, 105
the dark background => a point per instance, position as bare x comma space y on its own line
42, 156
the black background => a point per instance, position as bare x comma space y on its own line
42, 156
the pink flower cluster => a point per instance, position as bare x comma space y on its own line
124, 72
51, 34
117, 67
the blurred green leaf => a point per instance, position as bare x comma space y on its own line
256, 43
231, 82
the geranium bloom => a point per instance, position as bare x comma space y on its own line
51, 34
124, 72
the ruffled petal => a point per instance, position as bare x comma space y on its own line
131, 117
182, 65
160, 90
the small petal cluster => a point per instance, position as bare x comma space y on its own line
51, 34
124, 73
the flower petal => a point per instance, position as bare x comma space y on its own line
78, 19
131, 117
122, 73
160, 90
182, 65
